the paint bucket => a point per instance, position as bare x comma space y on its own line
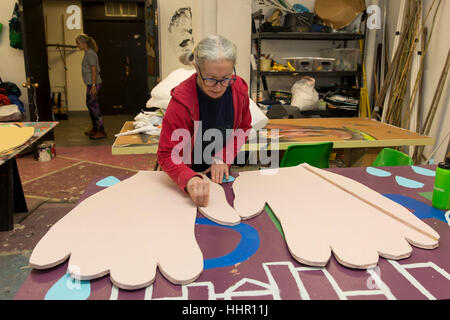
46, 151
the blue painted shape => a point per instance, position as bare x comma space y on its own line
420, 210
107, 182
378, 172
248, 245
407, 183
68, 288
423, 171
230, 179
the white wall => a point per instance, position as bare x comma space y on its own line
234, 22
434, 63
54, 14
169, 40
231, 18
12, 65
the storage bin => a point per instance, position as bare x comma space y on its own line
305, 65
301, 64
347, 59
324, 64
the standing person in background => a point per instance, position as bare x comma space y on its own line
90, 70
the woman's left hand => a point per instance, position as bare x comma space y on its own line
218, 170
93, 90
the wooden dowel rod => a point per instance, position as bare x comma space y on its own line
374, 205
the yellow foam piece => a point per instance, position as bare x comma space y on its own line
13, 137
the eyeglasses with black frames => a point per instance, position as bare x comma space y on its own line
211, 82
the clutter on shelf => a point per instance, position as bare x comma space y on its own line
342, 98
326, 16
280, 96
304, 95
345, 59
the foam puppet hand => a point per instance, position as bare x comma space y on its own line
319, 217
129, 229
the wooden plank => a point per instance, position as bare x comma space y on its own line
343, 132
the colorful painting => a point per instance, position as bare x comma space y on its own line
292, 133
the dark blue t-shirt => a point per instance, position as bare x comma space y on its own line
214, 114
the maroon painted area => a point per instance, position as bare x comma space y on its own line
388, 184
225, 240
39, 282
100, 289
215, 242
29, 168
318, 286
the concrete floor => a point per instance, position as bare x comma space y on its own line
53, 188
70, 133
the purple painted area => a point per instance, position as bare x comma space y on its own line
224, 239
317, 286
100, 289
281, 267
39, 282
388, 184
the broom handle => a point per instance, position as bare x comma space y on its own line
374, 205
437, 96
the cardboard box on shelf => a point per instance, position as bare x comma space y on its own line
339, 13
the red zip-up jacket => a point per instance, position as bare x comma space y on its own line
176, 155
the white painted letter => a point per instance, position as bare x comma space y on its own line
183, 146
374, 19
74, 20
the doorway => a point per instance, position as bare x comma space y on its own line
119, 30
126, 65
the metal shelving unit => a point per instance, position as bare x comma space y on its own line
313, 74
258, 37
308, 36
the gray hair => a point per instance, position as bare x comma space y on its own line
211, 48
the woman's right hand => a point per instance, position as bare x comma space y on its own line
198, 190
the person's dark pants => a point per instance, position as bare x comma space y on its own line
94, 108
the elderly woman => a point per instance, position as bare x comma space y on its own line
212, 103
